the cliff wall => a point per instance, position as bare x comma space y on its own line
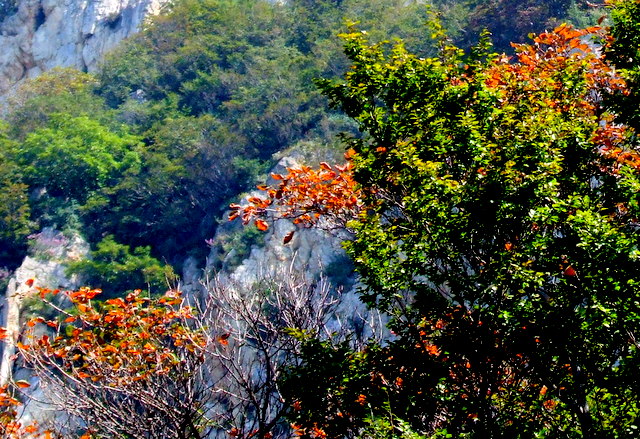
43, 34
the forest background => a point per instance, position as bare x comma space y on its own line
144, 157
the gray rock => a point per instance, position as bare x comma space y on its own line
45, 267
65, 33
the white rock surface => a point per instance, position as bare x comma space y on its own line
311, 252
50, 253
68, 33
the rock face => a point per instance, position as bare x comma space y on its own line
45, 267
312, 253
68, 33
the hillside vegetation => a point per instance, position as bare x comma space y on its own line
490, 202
185, 115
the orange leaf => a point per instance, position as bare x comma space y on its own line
261, 225
224, 339
350, 153
23, 384
288, 237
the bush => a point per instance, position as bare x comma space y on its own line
114, 267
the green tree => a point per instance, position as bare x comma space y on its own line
74, 156
15, 212
59, 90
499, 232
513, 20
191, 167
115, 268
624, 52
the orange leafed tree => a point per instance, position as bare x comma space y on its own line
155, 368
126, 366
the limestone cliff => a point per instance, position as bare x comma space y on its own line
43, 34
50, 253
310, 252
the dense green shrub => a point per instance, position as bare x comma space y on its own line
116, 268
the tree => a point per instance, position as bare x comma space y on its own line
74, 156
255, 337
15, 212
59, 90
512, 21
622, 51
115, 268
126, 366
499, 230
171, 367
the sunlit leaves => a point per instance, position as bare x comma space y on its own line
118, 341
307, 196
499, 230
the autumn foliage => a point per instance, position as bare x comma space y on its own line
306, 196
115, 342
10, 425
542, 74
127, 364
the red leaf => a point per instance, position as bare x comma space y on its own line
224, 339
288, 237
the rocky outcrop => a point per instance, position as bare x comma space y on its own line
313, 254
43, 34
45, 267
